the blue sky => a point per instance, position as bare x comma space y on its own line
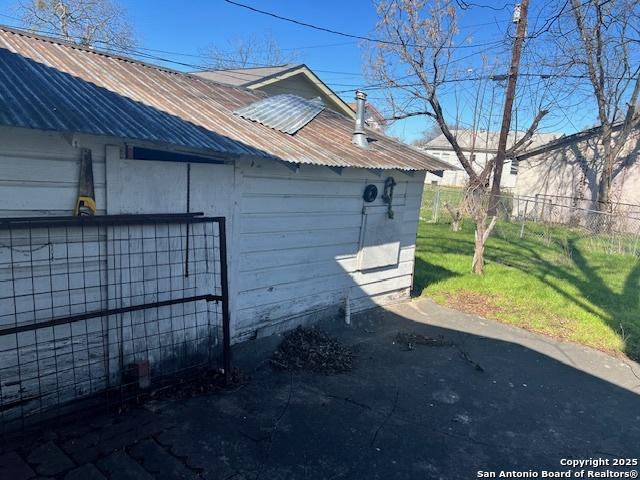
190, 26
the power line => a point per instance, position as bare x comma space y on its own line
243, 76
235, 75
466, 5
494, 77
351, 35
247, 76
184, 54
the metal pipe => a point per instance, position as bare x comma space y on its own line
347, 308
359, 135
224, 287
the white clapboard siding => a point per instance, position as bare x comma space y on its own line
293, 204
254, 261
45, 274
292, 222
39, 173
266, 242
299, 241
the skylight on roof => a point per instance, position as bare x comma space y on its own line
286, 113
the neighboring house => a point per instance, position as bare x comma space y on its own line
297, 80
373, 117
303, 243
566, 170
479, 148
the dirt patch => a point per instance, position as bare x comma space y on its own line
486, 305
315, 350
201, 383
482, 304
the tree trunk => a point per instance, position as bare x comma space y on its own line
604, 184
481, 235
604, 192
456, 217
477, 265
605, 205
456, 223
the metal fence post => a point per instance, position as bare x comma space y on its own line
436, 206
524, 217
224, 287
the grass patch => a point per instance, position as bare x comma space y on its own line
561, 288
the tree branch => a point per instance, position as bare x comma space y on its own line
411, 114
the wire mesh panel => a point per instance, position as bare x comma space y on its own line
100, 308
548, 219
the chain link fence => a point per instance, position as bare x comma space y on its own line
552, 220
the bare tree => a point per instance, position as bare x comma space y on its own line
249, 51
602, 44
427, 135
414, 59
100, 23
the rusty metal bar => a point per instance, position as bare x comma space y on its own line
99, 220
105, 313
224, 286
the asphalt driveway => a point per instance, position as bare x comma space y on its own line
487, 398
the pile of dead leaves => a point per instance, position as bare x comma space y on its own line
313, 349
410, 340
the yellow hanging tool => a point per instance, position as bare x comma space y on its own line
86, 204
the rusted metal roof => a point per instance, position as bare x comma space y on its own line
51, 85
285, 113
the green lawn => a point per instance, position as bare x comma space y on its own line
563, 288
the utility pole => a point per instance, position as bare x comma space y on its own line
519, 16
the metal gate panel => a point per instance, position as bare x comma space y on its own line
97, 305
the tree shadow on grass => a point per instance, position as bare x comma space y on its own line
597, 297
619, 311
428, 274
623, 320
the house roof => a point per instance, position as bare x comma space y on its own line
559, 142
243, 76
262, 77
48, 84
485, 141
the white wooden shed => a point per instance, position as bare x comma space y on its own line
302, 241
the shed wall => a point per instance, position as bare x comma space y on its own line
39, 173
299, 238
293, 237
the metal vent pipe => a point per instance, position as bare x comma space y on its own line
359, 136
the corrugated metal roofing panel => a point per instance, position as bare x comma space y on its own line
286, 113
48, 84
52, 100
